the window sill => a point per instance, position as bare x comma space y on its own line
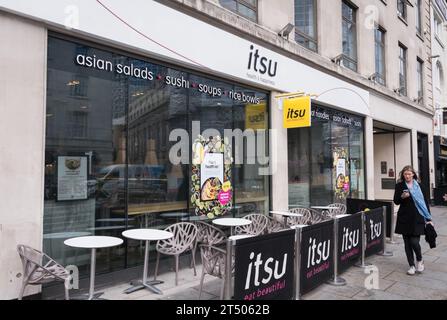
439, 41
403, 20
420, 36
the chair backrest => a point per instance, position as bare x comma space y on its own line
257, 226
317, 216
185, 233
274, 225
305, 219
340, 208
38, 267
213, 260
209, 234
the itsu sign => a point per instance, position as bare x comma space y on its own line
375, 235
264, 267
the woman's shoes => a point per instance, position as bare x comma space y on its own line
411, 271
420, 266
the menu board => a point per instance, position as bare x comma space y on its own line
71, 178
211, 176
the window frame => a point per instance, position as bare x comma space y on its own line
420, 80
346, 57
403, 65
381, 79
246, 4
315, 26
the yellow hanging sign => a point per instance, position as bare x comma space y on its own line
296, 112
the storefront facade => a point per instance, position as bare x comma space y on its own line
114, 105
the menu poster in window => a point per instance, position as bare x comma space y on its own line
71, 178
211, 176
341, 172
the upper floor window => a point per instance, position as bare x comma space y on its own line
306, 23
402, 70
245, 8
402, 9
420, 80
380, 55
419, 16
439, 76
349, 36
437, 25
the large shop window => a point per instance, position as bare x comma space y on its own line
112, 123
326, 160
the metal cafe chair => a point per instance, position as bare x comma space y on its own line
185, 234
339, 208
274, 225
257, 226
39, 268
306, 217
207, 234
213, 263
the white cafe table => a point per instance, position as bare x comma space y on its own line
93, 243
146, 235
286, 214
231, 222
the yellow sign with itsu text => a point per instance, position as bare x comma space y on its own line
296, 112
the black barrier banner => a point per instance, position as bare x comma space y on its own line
357, 205
317, 255
264, 267
349, 241
374, 231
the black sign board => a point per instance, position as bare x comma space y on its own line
349, 241
357, 205
317, 255
388, 183
374, 231
264, 267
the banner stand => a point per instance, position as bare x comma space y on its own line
385, 253
392, 240
228, 270
336, 280
297, 274
362, 263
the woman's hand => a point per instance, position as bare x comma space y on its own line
405, 195
429, 222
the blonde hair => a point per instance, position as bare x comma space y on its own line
408, 168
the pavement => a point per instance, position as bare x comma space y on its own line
393, 282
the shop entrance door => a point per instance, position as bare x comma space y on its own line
424, 170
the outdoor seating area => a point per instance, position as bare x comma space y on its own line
209, 237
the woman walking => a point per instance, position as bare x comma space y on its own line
413, 214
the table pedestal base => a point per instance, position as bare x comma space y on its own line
139, 285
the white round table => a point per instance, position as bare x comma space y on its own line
286, 214
231, 222
146, 235
93, 243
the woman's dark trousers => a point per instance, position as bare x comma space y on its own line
412, 245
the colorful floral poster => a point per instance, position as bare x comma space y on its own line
211, 189
341, 172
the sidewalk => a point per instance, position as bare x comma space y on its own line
394, 283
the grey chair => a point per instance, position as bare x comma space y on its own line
39, 268
339, 208
274, 225
185, 234
213, 263
207, 234
257, 226
305, 219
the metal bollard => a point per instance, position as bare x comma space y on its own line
297, 274
392, 240
362, 263
228, 270
384, 252
336, 280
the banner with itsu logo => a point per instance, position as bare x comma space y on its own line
349, 241
264, 267
374, 230
317, 255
